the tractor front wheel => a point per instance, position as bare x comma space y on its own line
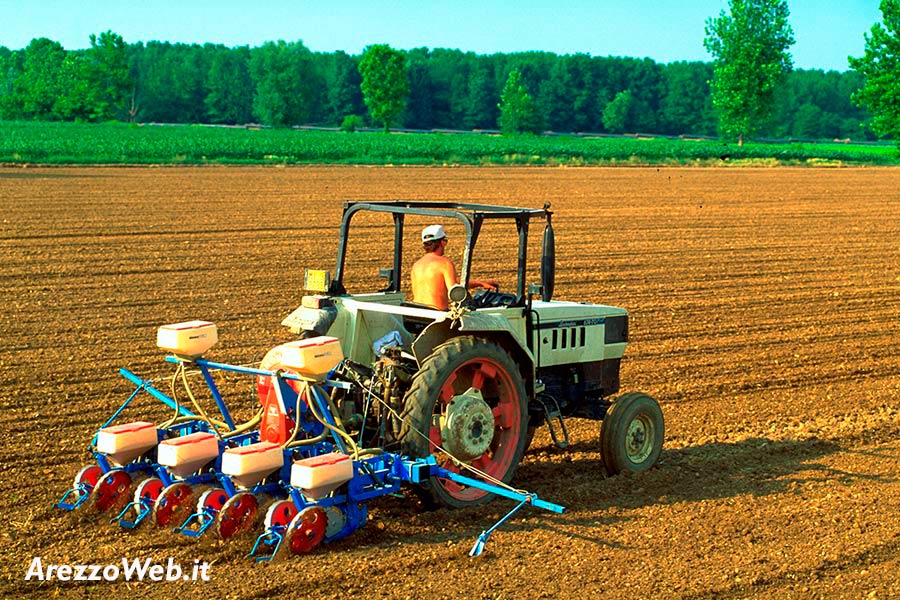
631, 434
466, 405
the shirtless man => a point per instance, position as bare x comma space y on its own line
434, 274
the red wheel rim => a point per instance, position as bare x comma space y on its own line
307, 530
89, 475
280, 514
172, 504
237, 516
213, 499
111, 491
499, 390
149, 490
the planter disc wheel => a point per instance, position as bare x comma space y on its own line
212, 500
280, 514
148, 491
112, 491
238, 515
88, 476
631, 434
478, 375
173, 504
306, 530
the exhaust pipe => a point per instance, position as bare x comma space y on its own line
548, 262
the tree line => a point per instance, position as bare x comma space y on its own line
284, 84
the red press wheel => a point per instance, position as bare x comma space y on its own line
280, 514
213, 499
307, 530
148, 491
238, 515
173, 504
89, 476
111, 491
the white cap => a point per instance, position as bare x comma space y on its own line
433, 233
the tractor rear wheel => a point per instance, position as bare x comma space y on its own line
467, 400
631, 434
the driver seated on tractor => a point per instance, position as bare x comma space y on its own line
434, 274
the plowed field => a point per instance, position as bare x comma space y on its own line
765, 317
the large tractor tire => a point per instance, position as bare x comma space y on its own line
631, 434
467, 400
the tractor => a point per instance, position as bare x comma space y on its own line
470, 385
379, 395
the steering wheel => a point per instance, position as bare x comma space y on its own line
488, 298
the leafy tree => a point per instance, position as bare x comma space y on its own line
584, 104
518, 112
344, 94
37, 87
10, 67
171, 81
108, 73
751, 58
481, 104
420, 101
230, 98
385, 85
287, 83
78, 99
617, 116
880, 66
685, 107
557, 97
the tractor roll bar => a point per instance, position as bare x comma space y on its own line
471, 216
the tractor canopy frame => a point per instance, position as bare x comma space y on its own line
472, 216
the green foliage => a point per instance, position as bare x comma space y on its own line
448, 89
38, 86
107, 72
351, 123
288, 83
751, 58
344, 93
385, 85
617, 114
518, 112
231, 89
686, 106
880, 65
72, 143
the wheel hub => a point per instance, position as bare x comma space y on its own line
639, 441
467, 428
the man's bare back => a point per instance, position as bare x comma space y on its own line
432, 277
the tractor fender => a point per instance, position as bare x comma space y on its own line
483, 325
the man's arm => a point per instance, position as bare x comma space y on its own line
490, 284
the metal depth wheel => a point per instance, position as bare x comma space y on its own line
631, 434
452, 369
173, 504
280, 514
88, 476
148, 491
306, 530
212, 500
238, 515
112, 491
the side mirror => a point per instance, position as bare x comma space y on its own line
387, 273
548, 263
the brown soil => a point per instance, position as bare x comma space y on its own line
764, 306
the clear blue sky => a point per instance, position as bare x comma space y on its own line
827, 31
